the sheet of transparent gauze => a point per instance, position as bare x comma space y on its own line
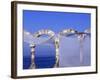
73, 52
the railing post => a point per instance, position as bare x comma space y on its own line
57, 52
32, 46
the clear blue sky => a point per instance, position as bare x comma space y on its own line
56, 21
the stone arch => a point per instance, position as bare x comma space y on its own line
44, 32
51, 35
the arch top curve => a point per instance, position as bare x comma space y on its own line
67, 31
44, 32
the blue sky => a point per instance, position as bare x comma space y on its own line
56, 21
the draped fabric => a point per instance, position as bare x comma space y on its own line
69, 52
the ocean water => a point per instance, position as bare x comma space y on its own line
44, 56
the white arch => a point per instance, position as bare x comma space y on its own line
67, 31
44, 32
